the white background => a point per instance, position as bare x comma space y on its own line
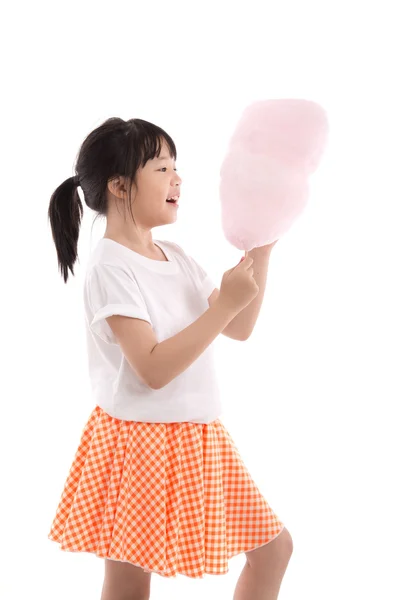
311, 398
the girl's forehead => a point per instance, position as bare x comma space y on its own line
158, 160
164, 156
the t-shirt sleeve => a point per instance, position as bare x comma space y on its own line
113, 291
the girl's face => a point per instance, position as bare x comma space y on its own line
156, 182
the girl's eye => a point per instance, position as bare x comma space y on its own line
162, 169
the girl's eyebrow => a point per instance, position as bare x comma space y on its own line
164, 158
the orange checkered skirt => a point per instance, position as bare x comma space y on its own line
171, 498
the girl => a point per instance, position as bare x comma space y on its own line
157, 484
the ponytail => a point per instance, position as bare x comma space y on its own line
65, 214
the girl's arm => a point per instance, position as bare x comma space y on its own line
241, 326
156, 364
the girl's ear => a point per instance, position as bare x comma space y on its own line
118, 186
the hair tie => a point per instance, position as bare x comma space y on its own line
76, 180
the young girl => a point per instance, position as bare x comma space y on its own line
157, 484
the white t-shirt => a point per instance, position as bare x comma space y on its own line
170, 295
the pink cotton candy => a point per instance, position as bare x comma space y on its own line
264, 186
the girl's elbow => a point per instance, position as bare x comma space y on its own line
244, 336
156, 382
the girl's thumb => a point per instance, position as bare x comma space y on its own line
233, 268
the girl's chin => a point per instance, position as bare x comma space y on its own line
172, 206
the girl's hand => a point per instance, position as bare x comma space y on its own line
238, 287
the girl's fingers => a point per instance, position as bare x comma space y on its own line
246, 256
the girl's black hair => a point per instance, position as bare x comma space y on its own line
116, 147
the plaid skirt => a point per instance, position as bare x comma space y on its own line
170, 498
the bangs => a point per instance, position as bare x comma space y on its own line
148, 140
151, 148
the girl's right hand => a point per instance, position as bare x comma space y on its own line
238, 287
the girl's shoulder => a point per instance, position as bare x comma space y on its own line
173, 246
184, 257
175, 249
190, 262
